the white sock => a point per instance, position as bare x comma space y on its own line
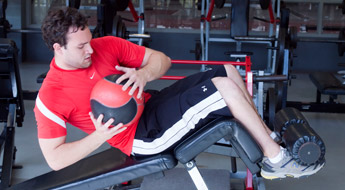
277, 158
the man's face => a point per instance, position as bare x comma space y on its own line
77, 52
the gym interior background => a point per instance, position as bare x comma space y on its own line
174, 27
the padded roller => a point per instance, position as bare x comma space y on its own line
304, 144
286, 117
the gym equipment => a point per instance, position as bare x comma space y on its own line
292, 39
74, 3
327, 84
109, 23
4, 24
279, 48
120, 5
264, 4
109, 99
219, 3
303, 143
11, 107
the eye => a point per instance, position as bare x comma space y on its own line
80, 47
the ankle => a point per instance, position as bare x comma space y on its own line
278, 157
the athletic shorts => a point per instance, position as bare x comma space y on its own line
177, 111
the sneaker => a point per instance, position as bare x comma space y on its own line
287, 167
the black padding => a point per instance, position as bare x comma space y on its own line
303, 143
239, 18
243, 143
305, 146
327, 83
285, 117
98, 171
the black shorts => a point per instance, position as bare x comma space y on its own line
177, 111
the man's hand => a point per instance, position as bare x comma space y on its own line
136, 78
103, 129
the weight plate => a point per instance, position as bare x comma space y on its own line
116, 24
264, 4
74, 3
270, 107
219, 3
119, 5
293, 37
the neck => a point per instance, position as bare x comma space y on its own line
60, 63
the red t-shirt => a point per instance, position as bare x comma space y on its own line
65, 94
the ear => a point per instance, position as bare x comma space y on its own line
57, 48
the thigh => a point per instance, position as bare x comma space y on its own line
178, 113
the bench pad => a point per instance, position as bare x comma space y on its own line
104, 169
327, 83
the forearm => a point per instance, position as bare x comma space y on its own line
69, 153
157, 65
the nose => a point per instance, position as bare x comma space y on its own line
89, 48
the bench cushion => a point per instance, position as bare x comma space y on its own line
101, 170
327, 83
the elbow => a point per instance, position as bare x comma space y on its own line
55, 165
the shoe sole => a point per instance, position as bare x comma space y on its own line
273, 176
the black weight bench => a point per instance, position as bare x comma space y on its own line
327, 83
113, 167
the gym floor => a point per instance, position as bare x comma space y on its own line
331, 127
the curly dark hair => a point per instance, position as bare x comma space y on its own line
57, 23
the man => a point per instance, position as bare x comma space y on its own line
80, 61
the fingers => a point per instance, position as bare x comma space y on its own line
117, 129
104, 130
135, 80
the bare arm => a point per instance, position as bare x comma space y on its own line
155, 64
60, 154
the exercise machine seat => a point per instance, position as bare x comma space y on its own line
224, 127
327, 83
100, 170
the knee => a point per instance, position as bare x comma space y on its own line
230, 69
226, 86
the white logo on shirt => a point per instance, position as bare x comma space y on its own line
92, 75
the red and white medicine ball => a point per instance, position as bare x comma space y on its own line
109, 99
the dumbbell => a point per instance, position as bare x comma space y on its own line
303, 143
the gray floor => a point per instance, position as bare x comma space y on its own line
331, 127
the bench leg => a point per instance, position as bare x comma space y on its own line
195, 175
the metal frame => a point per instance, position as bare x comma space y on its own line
7, 144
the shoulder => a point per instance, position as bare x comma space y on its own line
52, 94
